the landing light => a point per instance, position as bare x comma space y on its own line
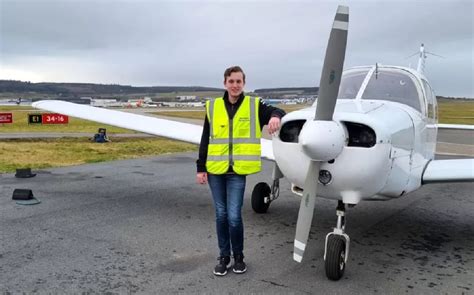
325, 177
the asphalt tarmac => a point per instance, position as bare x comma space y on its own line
143, 226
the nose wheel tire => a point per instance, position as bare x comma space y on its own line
260, 192
335, 257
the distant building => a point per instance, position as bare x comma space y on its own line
106, 103
186, 97
78, 100
146, 99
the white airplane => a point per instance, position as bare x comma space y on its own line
371, 135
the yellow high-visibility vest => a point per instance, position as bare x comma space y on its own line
233, 142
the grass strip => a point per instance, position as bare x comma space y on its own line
58, 152
456, 112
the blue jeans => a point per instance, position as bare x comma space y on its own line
228, 194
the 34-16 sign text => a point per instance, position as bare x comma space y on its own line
55, 119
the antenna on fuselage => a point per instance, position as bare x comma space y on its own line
422, 55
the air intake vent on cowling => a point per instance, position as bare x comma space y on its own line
291, 130
360, 135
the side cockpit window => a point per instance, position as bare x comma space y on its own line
393, 86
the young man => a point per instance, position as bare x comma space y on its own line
230, 150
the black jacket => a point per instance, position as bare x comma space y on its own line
265, 113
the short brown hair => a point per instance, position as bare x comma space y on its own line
234, 69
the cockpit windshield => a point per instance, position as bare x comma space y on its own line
384, 84
392, 86
350, 84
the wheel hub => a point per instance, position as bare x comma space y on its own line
342, 258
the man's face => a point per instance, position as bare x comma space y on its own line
234, 84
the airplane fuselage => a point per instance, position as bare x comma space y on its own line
388, 142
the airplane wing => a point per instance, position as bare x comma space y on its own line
458, 170
456, 126
155, 126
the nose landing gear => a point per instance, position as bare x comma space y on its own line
336, 249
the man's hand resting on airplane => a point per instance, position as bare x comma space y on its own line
274, 125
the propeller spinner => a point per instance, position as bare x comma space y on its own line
322, 139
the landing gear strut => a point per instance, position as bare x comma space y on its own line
263, 194
336, 250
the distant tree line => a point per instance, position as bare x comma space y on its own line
89, 89
450, 97
301, 90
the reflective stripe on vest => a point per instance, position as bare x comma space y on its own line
233, 142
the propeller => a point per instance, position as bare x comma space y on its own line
322, 139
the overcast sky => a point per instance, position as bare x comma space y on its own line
278, 43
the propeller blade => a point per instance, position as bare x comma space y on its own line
333, 64
305, 215
328, 91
